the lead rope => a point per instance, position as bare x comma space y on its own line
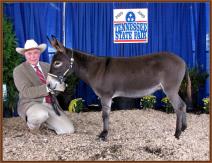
56, 106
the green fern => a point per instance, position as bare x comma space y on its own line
10, 60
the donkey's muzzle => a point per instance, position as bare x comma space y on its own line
54, 84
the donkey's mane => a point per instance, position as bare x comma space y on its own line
83, 55
87, 56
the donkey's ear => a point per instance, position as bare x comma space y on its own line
56, 44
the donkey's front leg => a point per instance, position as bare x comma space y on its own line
106, 107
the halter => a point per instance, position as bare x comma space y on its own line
61, 77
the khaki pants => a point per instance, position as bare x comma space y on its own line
44, 113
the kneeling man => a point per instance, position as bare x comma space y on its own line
35, 104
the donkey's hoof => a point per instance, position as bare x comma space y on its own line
177, 134
103, 135
184, 127
102, 138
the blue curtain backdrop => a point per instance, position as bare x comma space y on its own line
89, 27
169, 30
35, 21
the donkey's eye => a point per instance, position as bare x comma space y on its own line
57, 64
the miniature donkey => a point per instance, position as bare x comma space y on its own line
126, 77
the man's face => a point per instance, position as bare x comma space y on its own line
32, 56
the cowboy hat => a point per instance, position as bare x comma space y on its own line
31, 44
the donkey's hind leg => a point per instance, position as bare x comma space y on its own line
180, 109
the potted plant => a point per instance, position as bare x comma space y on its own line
206, 103
167, 105
148, 102
76, 105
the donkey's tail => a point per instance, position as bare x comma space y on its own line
188, 89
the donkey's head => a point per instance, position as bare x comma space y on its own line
61, 65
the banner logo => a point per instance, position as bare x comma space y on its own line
130, 25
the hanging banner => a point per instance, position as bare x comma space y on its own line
130, 25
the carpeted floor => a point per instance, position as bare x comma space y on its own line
134, 135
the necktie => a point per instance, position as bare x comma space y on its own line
43, 81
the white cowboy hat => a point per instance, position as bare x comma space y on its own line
31, 44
